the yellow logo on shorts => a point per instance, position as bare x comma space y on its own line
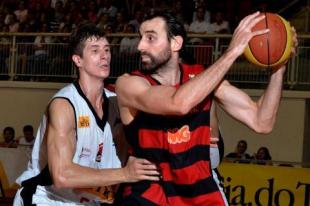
83, 121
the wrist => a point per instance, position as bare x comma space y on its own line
124, 175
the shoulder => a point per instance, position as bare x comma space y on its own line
66, 91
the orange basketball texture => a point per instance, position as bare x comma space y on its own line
273, 48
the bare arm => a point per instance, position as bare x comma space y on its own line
61, 143
135, 93
260, 115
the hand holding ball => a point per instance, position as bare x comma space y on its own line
273, 48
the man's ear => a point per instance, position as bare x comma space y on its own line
77, 60
176, 43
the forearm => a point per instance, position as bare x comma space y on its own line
268, 104
202, 85
77, 176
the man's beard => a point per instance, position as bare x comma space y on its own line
155, 62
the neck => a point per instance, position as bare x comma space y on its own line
93, 90
169, 74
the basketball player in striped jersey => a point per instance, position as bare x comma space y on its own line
165, 108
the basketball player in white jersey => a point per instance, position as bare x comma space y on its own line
74, 159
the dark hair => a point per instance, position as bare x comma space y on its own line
11, 129
28, 128
173, 27
267, 153
81, 34
244, 142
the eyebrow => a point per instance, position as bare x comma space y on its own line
150, 32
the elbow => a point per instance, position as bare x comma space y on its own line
60, 181
182, 108
264, 128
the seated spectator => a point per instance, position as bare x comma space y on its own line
107, 8
219, 25
9, 138
120, 22
262, 156
240, 154
137, 20
199, 26
28, 138
12, 22
207, 15
21, 12
57, 16
129, 44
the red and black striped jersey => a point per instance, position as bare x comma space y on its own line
180, 146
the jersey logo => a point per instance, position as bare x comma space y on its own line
84, 122
177, 136
99, 153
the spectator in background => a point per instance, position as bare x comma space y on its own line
199, 26
137, 20
240, 154
22, 12
206, 17
92, 10
262, 156
41, 41
54, 3
28, 138
120, 22
9, 138
103, 21
129, 44
12, 22
57, 16
107, 8
219, 25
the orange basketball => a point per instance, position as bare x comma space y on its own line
273, 48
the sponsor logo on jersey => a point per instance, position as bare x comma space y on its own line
99, 153
177, 136
84, 122
85, 152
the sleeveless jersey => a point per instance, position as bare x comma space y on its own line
95, 148
180, 146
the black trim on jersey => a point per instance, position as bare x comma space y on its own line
179, 160
105, 107
141, 74
30, 185
76, 126
192, 190
160, 122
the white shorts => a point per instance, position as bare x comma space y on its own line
41, 198
215, 177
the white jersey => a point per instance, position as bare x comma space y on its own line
95, 147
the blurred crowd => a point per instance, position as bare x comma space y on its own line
199, 16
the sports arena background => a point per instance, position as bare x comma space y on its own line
27, 84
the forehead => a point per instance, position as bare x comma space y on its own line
94, 41
156, 25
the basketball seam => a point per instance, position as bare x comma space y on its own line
251, 50
283, 51
268, 49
